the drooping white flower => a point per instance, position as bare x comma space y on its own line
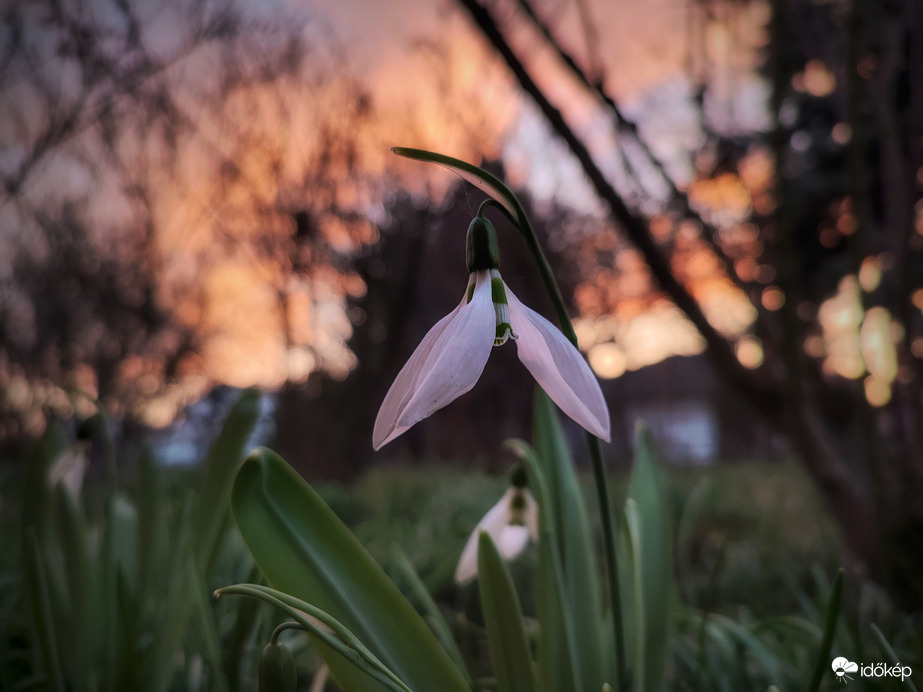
510, 523
69, 468
452, 356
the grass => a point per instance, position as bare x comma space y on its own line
751, 535
756, 555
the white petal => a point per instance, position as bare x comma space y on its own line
513, 540
496, 519
69, 468
446, 364
559, 368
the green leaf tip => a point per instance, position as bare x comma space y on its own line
481, 179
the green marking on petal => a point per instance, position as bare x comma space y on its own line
504, 330
470, 292
498, 291
503, 334
518, 502
518, 506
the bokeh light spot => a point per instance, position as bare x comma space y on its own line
773, 298
750, 352
877, 391
870, 274
607, 360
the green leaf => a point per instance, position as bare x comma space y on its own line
198, 542
720, 626
248, 618
433, 615
305, 551
326, 629
575, 544
224, 458
152, 508
116, 579
85, 616
174, 613
36, 501
506, 636
632, 529
652, 549
478, 177
823, 654
43, 616
557, 653
889, 651
209, 631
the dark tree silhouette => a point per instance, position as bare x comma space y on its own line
846, 153
144, 148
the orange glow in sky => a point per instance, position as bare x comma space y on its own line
431, 82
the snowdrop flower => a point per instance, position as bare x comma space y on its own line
452, 356
70, 467
510, 523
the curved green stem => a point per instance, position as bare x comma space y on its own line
491, 202
551, 286
274, 639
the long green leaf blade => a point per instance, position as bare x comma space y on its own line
557, 653
506, 636
833, 614
575, 544
889, 651
225, 456
654, 552
434, 617
43, 617
85, 625
306, 551
632, 530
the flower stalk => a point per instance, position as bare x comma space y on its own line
521, 222
594, 444
503, 199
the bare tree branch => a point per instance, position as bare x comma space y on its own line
763, 394
629, 128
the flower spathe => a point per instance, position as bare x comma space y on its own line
452, 356
510, 523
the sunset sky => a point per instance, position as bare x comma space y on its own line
432, 83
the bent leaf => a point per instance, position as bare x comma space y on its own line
478, 177
325, 627
304, 550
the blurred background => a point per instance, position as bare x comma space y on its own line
198, 197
